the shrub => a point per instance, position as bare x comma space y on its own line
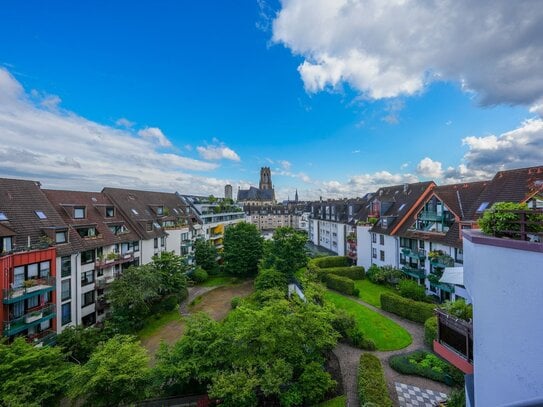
199, 275
498, 219
384, 275
356, 338
459, 309
372, 387
345, 324
331, 261
430, 331
168, 303
270, 278
410, 289
426, 364
342, 284
234, 302
457, 398
353, 272
406, 308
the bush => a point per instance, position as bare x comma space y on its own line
356, 338
234, 302
404, 307
168, 303
459, 309
384, 275
498, 219
199, 275
343, 285
372, 387
353, 272
457, 398
331, 261
270, 278
426, 364
410, 289
430, 331
345, 324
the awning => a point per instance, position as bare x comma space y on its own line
453, 275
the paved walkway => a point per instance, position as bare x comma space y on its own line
194, 292
349, 358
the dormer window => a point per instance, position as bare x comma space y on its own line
118, 229
6, 244
87, 232
79, 212
110, 211
156, 225
40, 214
3, 216
61, 237
160, 210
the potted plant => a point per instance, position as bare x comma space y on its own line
33, 316
101, 257
111, 256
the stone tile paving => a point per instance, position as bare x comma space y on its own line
413, 396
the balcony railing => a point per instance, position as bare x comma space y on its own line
432, 216
43, 338
30, 319
455, 341
414, 272
414, 254
518, 224
29, 289
122, 258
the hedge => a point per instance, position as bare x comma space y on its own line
372, 387
442, 372
332, 261
353, 272
342, 284
413, 310
430, 331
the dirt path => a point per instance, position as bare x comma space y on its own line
349, 358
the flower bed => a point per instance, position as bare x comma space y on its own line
426, 364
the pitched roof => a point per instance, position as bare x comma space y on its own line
140, 209
19, 201
255, 194
95, 204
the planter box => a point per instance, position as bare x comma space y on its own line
33, 317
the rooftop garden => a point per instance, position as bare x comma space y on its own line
513, 221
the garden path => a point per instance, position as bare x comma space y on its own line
349, 358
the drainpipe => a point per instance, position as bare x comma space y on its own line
77, 294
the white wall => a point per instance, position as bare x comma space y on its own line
390, 247
147, 250
363, 246
506, 287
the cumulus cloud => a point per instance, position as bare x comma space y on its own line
155, 135
65, 150
385, 49
217, 152
124, 122
285, 164
428, 168
537, 108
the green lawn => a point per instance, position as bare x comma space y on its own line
153, 324
214, 281
386, 334
338, 401
371, 292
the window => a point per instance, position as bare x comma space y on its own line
45, 269
482, 207
66, 313
6, 244
421, 244
382, 255
18, 277
160, 210
156, 225
382, 240
3, 216
87, 257
110, 211
87, 299
459, 255
401, 207
162, 241
60, 237
66, 266
32, 270
79, 212
373, 238
87, 232
18, 309
40, 214
66, 291
87, 277
118, 229
32, 302
156, 243
374, 252
135, 212
136, 246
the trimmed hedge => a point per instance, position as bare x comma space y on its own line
372, 387
341, 284
331, 261
426, 364
430, 331
353, 272
413, 310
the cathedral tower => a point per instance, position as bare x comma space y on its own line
265, 178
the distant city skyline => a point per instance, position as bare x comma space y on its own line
329, 94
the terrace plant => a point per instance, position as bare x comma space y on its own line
504, 220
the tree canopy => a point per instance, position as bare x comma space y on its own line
205, 255
243, 247
286, 252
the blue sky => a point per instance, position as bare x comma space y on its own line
210, 91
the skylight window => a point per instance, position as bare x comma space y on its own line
3, 216
135, 212
157, 226
79, 213
401, 207
40, 214
482, 207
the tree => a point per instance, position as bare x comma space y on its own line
287, 251
242, 249
269, 279
79, 342
205, 256
116, 373
172, 272
32, 376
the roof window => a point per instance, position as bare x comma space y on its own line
135, 212
79, 212
482, 207
40, 214
3, 216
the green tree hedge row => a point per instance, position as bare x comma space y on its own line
372, 386
413, 310
430, 331
353, 272
331, 261
341, 284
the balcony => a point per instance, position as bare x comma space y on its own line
28, 320
455, 341
101, 304
431, 216
43, 338
414, 272
29, 289
125, 258
216, 236
414, 254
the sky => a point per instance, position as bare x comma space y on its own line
337, 97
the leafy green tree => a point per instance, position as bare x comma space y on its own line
172, 271
287, 251
242, 249
31, 376
79, 342
410, 289
501, 220
116, 373
270, 278
205, 256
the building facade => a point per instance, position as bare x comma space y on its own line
261, 196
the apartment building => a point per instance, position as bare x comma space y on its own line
101, 244
32, 234
270, 217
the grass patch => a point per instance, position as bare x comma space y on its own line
197, 300
153, 324
371, 292
214, 281
386, 334
339, 401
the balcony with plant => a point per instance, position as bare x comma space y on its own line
513, 221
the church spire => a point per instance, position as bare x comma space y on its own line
296, 196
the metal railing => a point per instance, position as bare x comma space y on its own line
517, 224
28, 287
32, 317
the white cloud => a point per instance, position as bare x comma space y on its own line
385, 49
537, 108
217, 152
428, 168
123, 122
448, 122
155, 134
285, 165
65, 150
